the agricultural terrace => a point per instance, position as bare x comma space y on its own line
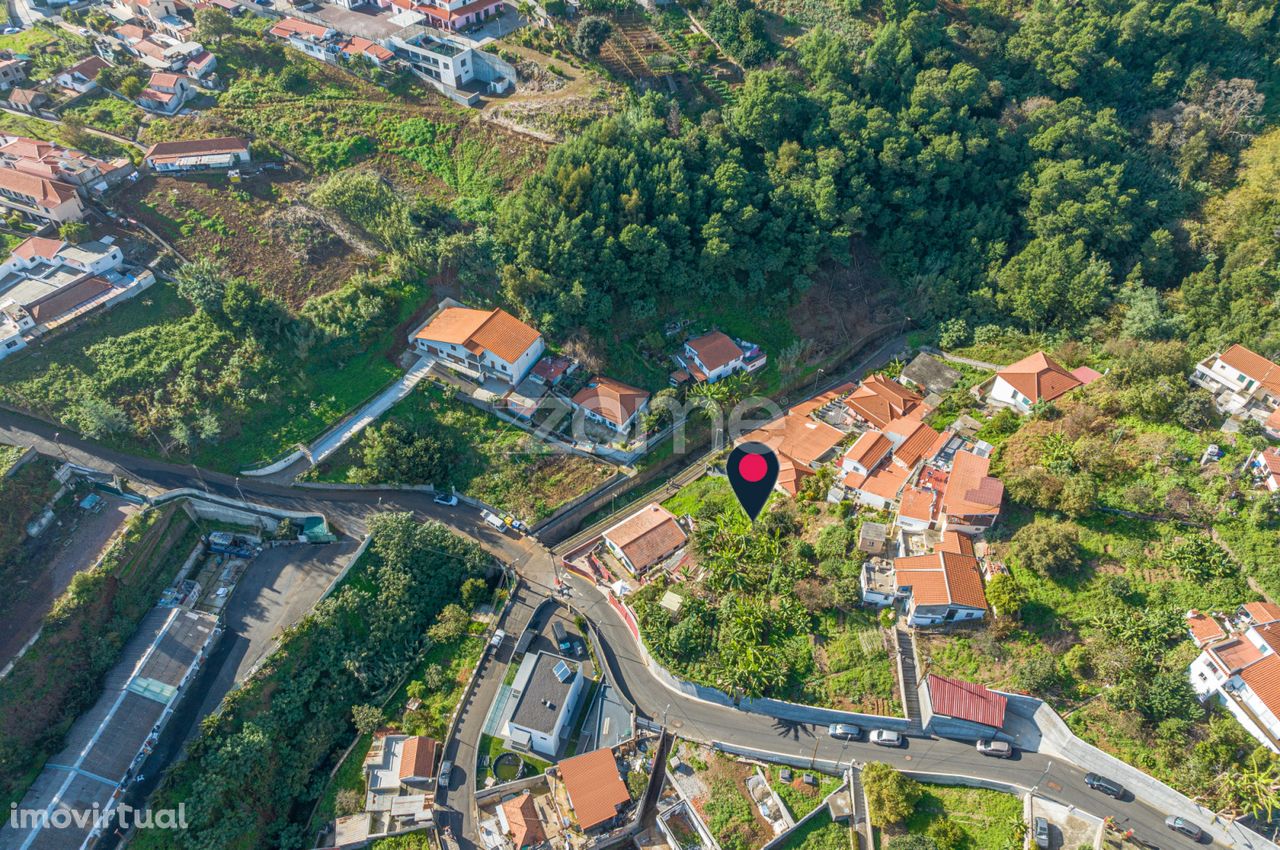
772, 610
432, 438
1117, 523
303, 281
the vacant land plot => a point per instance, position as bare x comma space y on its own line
50, 48
727, 809
989, 820
491, 460
821, 833
112, 114
255, 229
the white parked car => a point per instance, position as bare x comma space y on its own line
446, 499
887, 738
498, 637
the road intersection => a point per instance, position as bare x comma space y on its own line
688, 716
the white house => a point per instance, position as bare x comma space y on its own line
39, 198
1239, 667
713, 356
166, 93
1242, 381
1035, 378
944, 586
482, 344
83, 76
972, 499
611, 403
442, 59
543, 697
11, 73
312, 39
11, 339
197, 155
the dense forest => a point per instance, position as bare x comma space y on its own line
1031, 167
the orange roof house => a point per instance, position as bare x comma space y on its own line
595, 789
919, 508
611, 402
800, 443
1204, 629
866, 453
880, 400
491, 341
912, 441
945, 585
971, 502
1035, 378
645, 538
523, 822
712, 356
418, 758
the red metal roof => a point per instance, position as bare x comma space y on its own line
966, 701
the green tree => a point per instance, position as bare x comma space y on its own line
131, 86
1006, 595
891, 795
74, 232
1053, 282
591, 34
367, 718
213, 24
203, 283
450, 626
1049, 547
474, 592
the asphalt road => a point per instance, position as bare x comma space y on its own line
687, 716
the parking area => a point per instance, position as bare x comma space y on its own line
1069, 828
369, 22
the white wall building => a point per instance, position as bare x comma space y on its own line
1239, 667
544, 697
483, 344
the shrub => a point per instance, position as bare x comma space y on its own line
891, 795
1049, 547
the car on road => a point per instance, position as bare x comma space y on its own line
1107, 786
446, 499
887, 738
493, 520
498, 637
442, 778
1186, 827
1042, 833
12, 30
844, 731
996, 749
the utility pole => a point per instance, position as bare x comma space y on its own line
58, 443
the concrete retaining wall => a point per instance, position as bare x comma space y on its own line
830, 768
783, 837
280, 465
498, 791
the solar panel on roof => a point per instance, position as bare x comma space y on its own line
562, 671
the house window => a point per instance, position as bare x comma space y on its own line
13, 343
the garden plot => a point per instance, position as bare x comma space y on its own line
254, 228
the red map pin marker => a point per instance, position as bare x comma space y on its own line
752, 470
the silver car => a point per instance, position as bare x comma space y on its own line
844, 731
887, 738
996, 749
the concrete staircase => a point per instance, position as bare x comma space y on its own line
908, 680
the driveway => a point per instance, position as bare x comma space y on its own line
354, 424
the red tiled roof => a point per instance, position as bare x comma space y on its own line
715, 349
1039, 377
495, 331
595, 789
1263, 678
38, 246
970, 490
418, 758
802, 438
886, 482
293, 27
1262, 612
647, 536
1252, 365
164, 151
522, 818
163, 80
613, 400
48, 194
919, 504
880, 400
916, 438
868, 450
89, 68
966, 701
356, 45
1204, 629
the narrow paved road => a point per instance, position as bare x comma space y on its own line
688, 716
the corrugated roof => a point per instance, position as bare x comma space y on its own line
966, 701
596, 790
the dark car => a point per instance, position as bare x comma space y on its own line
1107, 786
1186, 827
1042, 833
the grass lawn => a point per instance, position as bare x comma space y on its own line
491, 746
494, 461
350, 777
109, 113
51, 49
990, 820
800, 798
821, 833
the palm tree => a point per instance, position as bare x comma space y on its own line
1253, 790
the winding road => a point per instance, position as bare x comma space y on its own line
688, 716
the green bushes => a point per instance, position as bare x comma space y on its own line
356, 646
